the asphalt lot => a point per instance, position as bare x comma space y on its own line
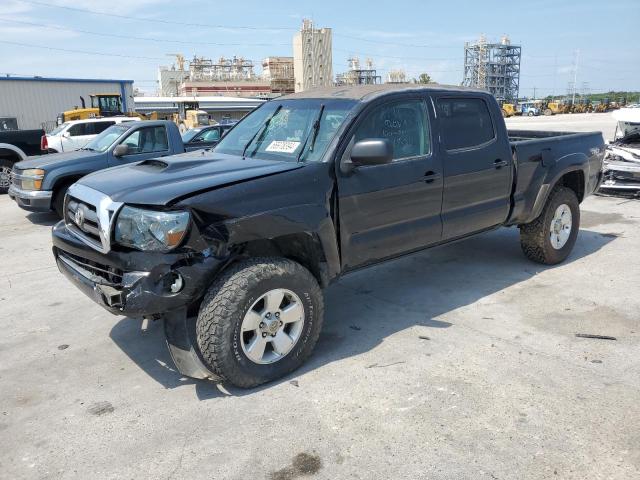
456, 363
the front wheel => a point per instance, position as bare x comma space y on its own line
5, 175
259, 321
549, 239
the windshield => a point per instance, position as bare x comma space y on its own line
58, 129
102, 142
288, 130
189, 134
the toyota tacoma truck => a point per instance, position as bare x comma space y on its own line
39, 184
231, 248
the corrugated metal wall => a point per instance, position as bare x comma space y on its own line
34, 102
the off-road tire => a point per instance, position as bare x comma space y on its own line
5, 164
223, 308
535, 236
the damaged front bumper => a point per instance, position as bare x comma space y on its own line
132, 283
143, 284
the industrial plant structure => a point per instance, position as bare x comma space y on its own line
494, 67
312, 57
357, 75
278, 71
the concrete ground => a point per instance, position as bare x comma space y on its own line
456, 363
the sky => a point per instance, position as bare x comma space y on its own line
129, 39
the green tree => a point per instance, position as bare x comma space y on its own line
424, 78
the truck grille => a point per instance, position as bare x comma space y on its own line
83, 217
88, 215
15, 178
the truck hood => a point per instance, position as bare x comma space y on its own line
163, 180
53, 160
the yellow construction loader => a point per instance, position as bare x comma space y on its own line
190, 119
552, 108
509, 110
102, 105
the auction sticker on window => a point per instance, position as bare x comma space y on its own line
282, 146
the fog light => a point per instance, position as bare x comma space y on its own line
177, 284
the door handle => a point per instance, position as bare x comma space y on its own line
430, 176
500, 163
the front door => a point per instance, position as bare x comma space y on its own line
386, 210
143, 143
477, 167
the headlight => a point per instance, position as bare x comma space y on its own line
32, 179
150, 230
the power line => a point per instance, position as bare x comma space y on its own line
151, 20
399, 44
80, 51
131, 37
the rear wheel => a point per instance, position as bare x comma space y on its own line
548, 112
260, 321
550, 238
5, 174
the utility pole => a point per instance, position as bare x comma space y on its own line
534, 93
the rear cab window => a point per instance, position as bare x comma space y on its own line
464, 122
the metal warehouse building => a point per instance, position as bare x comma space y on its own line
36, 101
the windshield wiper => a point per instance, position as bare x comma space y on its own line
261, 131
314, 131
89, 149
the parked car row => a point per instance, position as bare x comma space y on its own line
231, 246
71, 136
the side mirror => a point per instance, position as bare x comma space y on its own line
120, 150
66, 135
373, 151
197, 140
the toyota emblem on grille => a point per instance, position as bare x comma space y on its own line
79, 216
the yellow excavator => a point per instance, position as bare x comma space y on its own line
102, 105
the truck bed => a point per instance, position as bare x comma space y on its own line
538, 155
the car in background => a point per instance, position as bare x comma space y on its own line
205, 137
39, 184
76, 134
530, 109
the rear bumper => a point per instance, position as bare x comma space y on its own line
620, 176
132, 283
31, 200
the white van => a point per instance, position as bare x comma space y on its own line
75, 134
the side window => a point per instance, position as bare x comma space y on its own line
99, 127
404, 123
212, 135
465, 122
78, 130
147, 140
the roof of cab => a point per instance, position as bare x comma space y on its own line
368, 92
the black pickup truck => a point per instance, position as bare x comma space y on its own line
15, 146
231, 247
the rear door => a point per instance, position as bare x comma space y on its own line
143, 143
476, 164
386, 210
